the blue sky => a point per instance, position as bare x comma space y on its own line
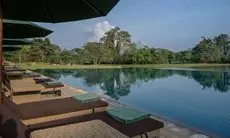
172, 24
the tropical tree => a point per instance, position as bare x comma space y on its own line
206, 52
117, 40
66, 57
78, 55
184, 56
223, 42
92, 51
54, 59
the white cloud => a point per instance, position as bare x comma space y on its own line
99, 30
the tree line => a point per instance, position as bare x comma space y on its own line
117, 47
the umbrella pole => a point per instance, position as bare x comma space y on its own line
1, 36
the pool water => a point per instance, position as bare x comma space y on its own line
197, 99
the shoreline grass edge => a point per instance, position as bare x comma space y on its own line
103, 66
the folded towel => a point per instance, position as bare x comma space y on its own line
125, 115
42, 79
53, 83
32, 74
85, 98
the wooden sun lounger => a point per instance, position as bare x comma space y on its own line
24, 86
20, 85
13, 127
14, 73
28, 85
56, 107
141, 127
20, 91
9, 69
49, 110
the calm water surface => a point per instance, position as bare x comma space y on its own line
197, 99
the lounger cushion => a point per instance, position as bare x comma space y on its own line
53, 83
85, 98
125, 115
28, 75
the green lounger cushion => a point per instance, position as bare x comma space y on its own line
125, 115
32, 74
42, 79
85, 98
53, 83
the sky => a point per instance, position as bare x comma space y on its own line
173, 24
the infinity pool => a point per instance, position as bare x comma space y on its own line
196, 99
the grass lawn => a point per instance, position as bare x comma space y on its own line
48, 66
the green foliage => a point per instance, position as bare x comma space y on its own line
54, 59
206, 52
116, 47
92, 52
183, 56
66, 57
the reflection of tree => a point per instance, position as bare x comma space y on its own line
67, 72
109, 80
206, 79
222, 83
117, 82
55, 74
217, 80
184, 73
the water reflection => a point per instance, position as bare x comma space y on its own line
117, 82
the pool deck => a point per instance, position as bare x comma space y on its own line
98, 128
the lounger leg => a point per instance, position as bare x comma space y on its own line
157, 133
144, 135
59, 92
11, 94
54, 90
